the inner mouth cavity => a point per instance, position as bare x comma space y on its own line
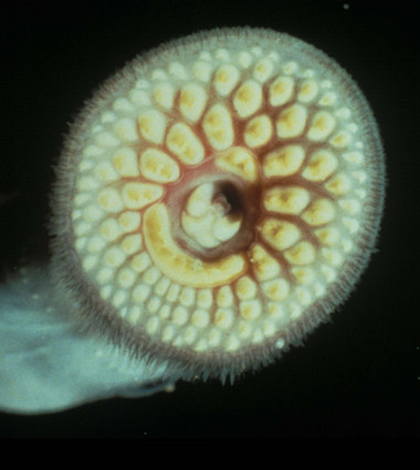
213, 216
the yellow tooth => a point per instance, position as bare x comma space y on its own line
164, 93
248, 98
200, 318
183, 143
205, 298
126, 278
132, 243
110, 230
160, 289
202, 71
110, 200
333, 257
225, 79
283, 162
141, 262
351, 205
322, 125
129, 221
328, 235
114, 257
321, 165
264, 265
304, 275
246, 288
354, 157
125, 162
301, 254
179, 265
263, 69
281, 91
125, 129
319, 212
291, 121
141, 293
192, 101
224, 297
224, 318
187, 296
308, 91
339, 185
291, 67
240, 162
277, 289
287, 200
258, 131
157, 166
328, 99
341, 140
138, 195
152, 126
250, 309
279, 233
218, 127
105, 172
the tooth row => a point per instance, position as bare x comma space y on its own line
262, 119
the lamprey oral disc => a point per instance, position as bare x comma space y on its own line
215, 201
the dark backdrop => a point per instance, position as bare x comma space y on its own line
356, 376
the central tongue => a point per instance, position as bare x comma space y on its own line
212, 214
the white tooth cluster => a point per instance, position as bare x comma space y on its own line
266, 116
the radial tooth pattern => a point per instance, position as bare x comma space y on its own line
189, 263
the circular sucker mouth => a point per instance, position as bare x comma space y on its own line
217, 199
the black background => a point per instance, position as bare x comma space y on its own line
356, 376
